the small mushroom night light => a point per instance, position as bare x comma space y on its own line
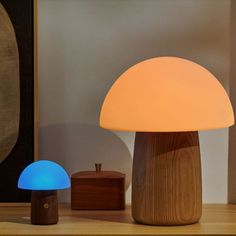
44, 178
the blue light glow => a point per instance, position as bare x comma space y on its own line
43, 175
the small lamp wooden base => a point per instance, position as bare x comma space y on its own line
166, 187
44, 207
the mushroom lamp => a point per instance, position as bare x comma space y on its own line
44, 178
166, 100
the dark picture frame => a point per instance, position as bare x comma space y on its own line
23, 15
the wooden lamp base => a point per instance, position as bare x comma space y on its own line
166, 187
44, 207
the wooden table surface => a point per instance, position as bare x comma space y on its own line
217, 219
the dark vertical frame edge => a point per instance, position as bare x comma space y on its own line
36, 108
36, 111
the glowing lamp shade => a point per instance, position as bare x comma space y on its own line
166, 94
44, 175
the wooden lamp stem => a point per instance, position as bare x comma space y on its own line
166, 187
44, 207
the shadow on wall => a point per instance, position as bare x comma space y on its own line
78, 147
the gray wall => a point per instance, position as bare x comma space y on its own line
84, 45
232, 130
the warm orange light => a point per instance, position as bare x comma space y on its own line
166, 94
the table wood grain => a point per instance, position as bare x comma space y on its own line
217, 219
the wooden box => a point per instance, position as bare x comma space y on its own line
98, 190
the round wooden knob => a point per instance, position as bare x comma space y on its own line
98, 167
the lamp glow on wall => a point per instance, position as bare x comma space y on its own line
166, 100
44, 178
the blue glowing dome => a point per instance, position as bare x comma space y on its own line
43, 175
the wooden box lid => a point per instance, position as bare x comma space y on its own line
98, 174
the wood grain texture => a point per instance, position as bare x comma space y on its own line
103, 190
166, 186
217, 219
44, 207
